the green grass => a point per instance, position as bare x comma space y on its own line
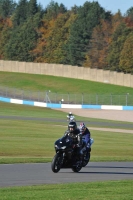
33, 140
108, 190
8, 109
63, 85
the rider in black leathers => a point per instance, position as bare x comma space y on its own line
76, 136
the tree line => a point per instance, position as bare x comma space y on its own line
87, 35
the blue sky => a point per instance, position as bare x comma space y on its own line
112, 5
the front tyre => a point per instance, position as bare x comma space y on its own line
77, 167
56, 163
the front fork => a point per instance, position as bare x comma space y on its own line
61, 156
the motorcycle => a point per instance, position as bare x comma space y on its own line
71, 118
66, 156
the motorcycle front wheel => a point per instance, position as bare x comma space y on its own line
77, 167
56, 163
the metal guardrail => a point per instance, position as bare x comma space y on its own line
50, 97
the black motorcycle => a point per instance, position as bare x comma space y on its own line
66, 156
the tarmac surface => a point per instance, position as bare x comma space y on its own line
41, 173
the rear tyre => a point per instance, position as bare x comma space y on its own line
56, 163
86, 159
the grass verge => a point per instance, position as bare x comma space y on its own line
108, 190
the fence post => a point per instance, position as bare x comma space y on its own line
127, 99
38, 96
47, 99
82, 98
56, 97
6, 91
96, 99
22, 94
68, 98
111, 99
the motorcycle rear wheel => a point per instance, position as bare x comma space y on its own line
86, 161
56, 163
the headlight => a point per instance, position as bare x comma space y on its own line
63, 147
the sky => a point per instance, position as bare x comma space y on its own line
108, 5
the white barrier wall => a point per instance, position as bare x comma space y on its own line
98, 75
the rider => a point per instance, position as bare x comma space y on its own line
76, 136
70, 116
85, 135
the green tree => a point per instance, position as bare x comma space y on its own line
21, 12
126, 55
5, 29
99, 44
53, 10
129, 13
88, 16
7, 8
55, 50
51, 34
33, 7
129, 17
22, 42
116, 46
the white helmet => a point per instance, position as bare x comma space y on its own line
82, 127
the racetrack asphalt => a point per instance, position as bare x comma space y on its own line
41, 173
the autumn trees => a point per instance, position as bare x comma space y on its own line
86, 36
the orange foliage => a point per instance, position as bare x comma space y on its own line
117, 19
5, 22
43, 32
101, 38
128, 21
